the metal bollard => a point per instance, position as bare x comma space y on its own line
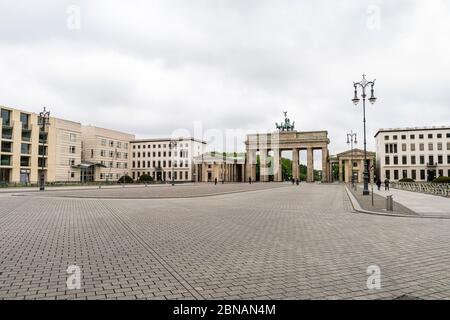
389, 203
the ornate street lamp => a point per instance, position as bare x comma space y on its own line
44, 117
363, 84
351, 139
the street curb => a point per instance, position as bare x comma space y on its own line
357, 207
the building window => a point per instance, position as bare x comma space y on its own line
439, 146
413, 174
412, 137
395, 160
413, 160
103, 142
394, 137
102, 153
386, 137
73, 137
403, 146
72, 149
404, 174
439, 135
186, 175
422, 174
388, 174
387, 160
421, 147
430, 136
430, 147
413, 147
422, 159
440, 159
404, 160
395, 174
403, 137
420, 136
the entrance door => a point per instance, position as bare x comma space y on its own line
431, 175
159, 176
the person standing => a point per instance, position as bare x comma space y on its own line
386, 184
378, 184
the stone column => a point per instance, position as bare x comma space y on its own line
325, 164
361, 171
295, 164
310, 165
249, 165
204, 172
263, 169
341, 173
277, 174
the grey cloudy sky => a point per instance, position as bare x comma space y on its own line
151, 67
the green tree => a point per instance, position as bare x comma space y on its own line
145, 178
125, 179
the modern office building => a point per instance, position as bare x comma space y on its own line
163, 159
419, 153
105, 154
26, 151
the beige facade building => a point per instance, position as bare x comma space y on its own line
162, 158
214, 166
344, 161
419, 153
105, 154
25, 148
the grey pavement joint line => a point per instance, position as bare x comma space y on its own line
160, 259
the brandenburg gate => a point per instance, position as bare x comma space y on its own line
286, 138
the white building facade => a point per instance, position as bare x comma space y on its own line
166, 160
419, 153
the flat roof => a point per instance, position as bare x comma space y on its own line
166, 140
412, 129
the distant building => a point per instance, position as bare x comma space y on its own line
25, 148
344, 162
419, 153
215, 165
105, 154
160, 158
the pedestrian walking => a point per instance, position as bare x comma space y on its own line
386, 184
378, 184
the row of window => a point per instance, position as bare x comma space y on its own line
149, 146
418, 175
421, 136
180, 176
160, 164
183, 154
392, 147
111, 154
109, 176
112, 144
413, 160
118, 165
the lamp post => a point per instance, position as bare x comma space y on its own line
173, 144
351, 139
363, 84
44, 116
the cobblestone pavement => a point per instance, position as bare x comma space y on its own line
161, 191
296, 242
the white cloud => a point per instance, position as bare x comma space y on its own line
150, 67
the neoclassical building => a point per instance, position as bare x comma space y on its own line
215, 165
286, 138
344, 162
